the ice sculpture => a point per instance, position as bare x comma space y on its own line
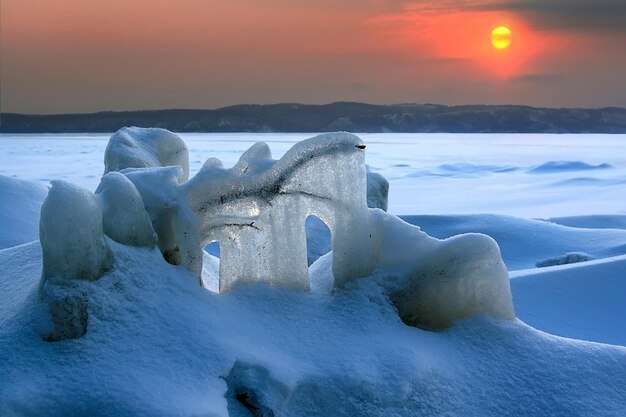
257, 210
135, 147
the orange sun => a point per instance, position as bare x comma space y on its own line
501, 37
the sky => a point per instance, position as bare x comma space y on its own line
79, 56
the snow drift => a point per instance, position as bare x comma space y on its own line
158, 344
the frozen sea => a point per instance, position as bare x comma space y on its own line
526, 175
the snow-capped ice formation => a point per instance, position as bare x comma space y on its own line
135, 147
74, 247
257, 210
464, 276
158, 188
441, 281
124, 216
71, 234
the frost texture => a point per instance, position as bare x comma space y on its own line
135, 147
71, 234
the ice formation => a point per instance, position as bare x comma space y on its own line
74, 247
71, 234
464, 276
377, 190
124, 217
257, 210
135, 147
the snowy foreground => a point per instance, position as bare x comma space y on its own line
159, 344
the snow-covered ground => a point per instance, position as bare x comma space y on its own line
158, 344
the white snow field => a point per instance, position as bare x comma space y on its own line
158, 344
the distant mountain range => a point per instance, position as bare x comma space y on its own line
353, 117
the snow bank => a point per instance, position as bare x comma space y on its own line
606, 221
160, 345
526, 242
560, 166
581, 300
568, 258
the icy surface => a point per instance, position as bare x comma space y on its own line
489, 175
135, 147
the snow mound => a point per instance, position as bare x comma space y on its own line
568, 258
607, 221
19, 210
467, 168
562, 166
525, 242
160, 345
582, 300
466, 276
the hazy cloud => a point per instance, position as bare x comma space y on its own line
538, 78
607, 15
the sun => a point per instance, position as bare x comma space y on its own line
501, 37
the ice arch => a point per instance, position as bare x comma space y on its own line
257, 211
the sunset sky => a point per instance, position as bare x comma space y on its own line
61, 56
